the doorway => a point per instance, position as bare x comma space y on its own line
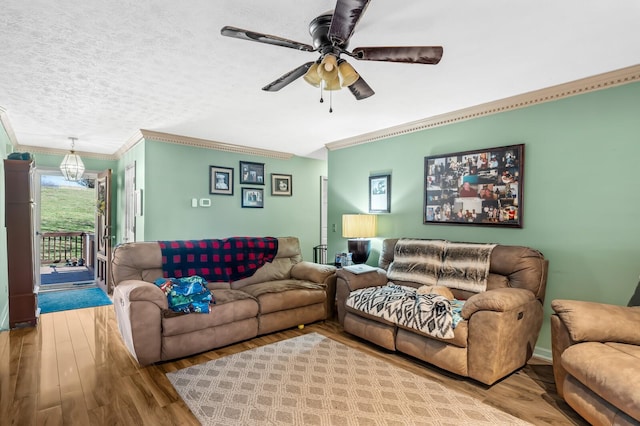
64, 231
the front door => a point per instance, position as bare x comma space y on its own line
103, 231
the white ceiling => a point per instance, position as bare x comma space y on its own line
102, 70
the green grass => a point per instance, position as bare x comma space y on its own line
67, 209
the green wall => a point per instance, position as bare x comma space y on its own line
174, 174
580, 196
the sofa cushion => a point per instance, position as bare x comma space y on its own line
231, 306
459, 339
281, 295
460, 332
610, 370
279, 269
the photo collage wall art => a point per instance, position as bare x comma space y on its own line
483, 187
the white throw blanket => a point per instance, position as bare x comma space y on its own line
466, 266
417, 261
428, 313
463, 266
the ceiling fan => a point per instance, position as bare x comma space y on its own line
331, 33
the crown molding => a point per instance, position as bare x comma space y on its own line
553, 93
130, 143
4, 120
209, 144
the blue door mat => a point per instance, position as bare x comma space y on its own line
65, 300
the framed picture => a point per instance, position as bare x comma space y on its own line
220, 180
253, 198
380, 194
252, 172
482, 187
281, 185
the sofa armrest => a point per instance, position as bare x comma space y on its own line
503, 328
313, 272
142, 291
139, 307
346, 282
357, 281
498, 300
598, 322
320, 274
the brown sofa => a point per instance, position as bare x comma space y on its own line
596, 360
499, 327
282, 294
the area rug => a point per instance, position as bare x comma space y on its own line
313, 380
65, 300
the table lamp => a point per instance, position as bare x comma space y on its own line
358, 228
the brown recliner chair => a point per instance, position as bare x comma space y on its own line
596, 360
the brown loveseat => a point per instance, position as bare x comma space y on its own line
596, 360
499, 327
282, 294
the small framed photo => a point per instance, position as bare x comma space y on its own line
281, 185
220, 180
253, 198
380, 194
252, 172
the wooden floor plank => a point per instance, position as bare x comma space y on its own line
49, 384
51, 416
6, 382
99, 383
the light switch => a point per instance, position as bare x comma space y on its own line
194, 202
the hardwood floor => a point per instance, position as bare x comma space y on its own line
73, 369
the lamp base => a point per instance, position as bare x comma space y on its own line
359, 249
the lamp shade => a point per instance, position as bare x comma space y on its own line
359, 225
328, 69
312, 76
72, 167
347, 73
332, 84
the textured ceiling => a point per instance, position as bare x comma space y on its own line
102, 70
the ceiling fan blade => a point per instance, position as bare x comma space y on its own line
361, 90
288, 78
264, 38
345, 17
410, 54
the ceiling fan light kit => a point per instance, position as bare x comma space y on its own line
331, 33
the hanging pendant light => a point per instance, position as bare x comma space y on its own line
72, 166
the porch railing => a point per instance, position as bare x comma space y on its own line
61, 247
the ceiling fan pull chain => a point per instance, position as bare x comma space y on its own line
321, 100
330, 101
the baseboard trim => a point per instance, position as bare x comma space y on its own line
543, 353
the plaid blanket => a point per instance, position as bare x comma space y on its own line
223, 260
